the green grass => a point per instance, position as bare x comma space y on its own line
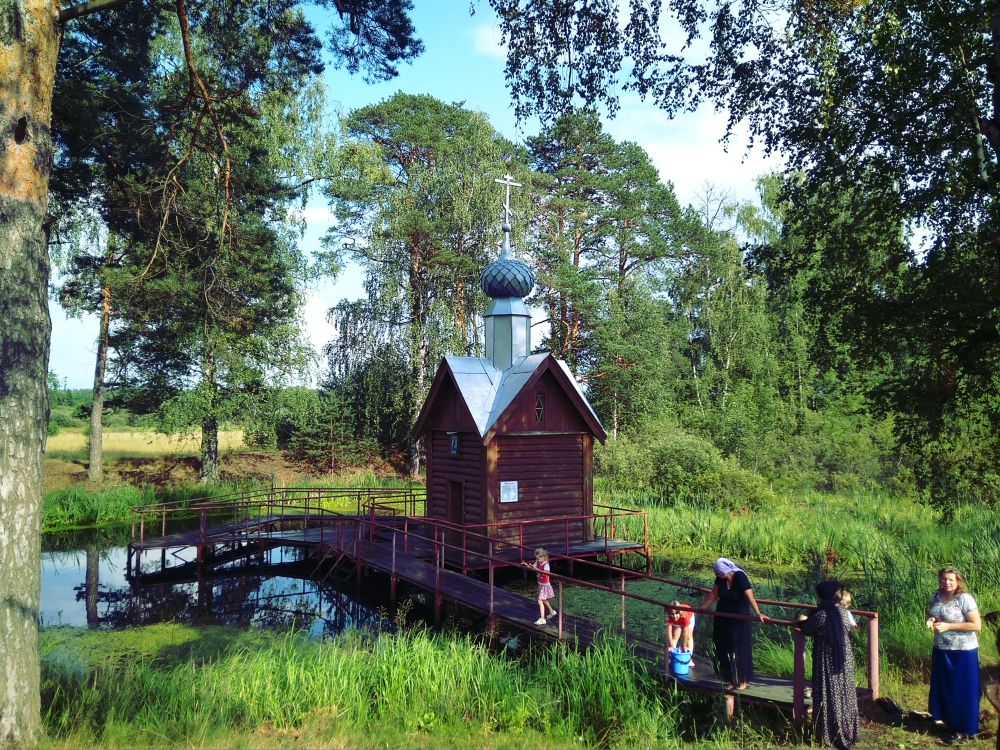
887, 548
177, 686
82, 508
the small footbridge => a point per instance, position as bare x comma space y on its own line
349, 532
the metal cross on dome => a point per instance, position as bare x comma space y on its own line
508, 182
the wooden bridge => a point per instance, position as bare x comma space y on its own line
355, 530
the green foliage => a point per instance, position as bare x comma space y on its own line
138, 687
78, 508
311, 426
65, 405
678, 467
418, 210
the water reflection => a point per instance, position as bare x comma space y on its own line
85, 586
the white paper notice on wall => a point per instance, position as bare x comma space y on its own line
508, 492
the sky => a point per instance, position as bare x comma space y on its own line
463, 61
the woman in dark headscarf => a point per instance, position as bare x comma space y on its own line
834, 695
733, 638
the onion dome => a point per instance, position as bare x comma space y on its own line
507, 276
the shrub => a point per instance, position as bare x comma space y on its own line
676, 466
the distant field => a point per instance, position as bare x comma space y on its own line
73, 443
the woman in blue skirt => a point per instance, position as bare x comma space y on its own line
954, 618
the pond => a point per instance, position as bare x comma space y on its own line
84, 585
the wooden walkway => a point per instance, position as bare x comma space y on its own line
413, 550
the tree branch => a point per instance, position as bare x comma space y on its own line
85, 9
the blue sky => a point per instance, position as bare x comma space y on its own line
463, 62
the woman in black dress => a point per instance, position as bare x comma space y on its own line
733, 637
834, 696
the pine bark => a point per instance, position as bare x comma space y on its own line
209, 450
29, 44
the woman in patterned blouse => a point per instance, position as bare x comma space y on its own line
954, 618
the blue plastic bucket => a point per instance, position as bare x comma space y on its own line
680, 662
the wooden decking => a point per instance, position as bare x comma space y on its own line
423, 555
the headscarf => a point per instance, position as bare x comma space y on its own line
829, 595
724, 566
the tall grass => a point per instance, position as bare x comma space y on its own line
411, 689
77, 508
888, 549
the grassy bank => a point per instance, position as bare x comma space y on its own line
887, 548
80, 507
175, 686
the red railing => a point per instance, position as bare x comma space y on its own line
260, 515
441, 529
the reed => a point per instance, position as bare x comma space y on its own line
887, 548
78, 508
161, 686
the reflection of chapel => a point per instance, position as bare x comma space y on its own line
509, 436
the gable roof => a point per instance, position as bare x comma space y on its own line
488, 392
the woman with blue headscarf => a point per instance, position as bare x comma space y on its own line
733, 638
834, 695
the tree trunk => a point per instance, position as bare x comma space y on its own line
95, 468
209, 470
209, 450
418, 353
92, 585
29, 44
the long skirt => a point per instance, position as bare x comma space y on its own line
954, 697
733, 640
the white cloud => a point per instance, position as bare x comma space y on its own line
314, 310
317, 214
486, 40
687, 152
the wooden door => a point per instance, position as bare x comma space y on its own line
456, 515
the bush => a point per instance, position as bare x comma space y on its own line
676, 466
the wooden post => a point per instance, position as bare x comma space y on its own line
799, 678
357, 565
493, 617
666, 641
560, 616
623, 603
873, 663
392, 577
437, 589
645, 543
202, 524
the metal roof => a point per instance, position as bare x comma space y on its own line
488, 392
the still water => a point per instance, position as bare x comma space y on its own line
84, 585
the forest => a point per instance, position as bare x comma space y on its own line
838, 337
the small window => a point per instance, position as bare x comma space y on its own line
539, 407
454, 443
